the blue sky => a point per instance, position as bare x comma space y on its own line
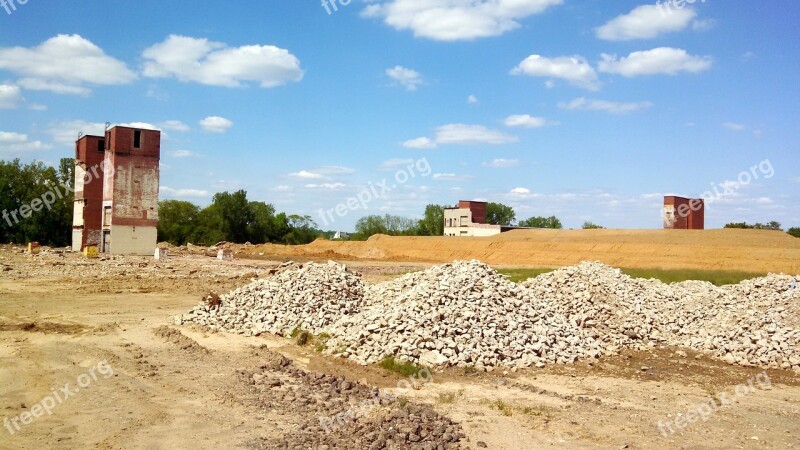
589, 110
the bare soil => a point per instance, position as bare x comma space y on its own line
185, 387
728, 249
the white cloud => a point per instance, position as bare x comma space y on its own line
501, 163
584, 104
282, 188
328, 186
38, 107
394, 164
168, 191
703, 25
734, 126
10, 96
458, 133
11, 142
658, 61
461, 134
764, 201
407, 78
450, 177
472, 100
645, 22
213, 63
525, 120
420, 143
216, 124
64, 64
67, 132
141, 125
182, 154
175, 125
455, 20
334, 170
574, 69
306, 175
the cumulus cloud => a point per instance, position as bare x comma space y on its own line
183, 193
472, 100
521, 191
394, 164
306, 175
461, 134
734, 126
213, 63
584, 104
321, 173
11, 142
216, 124
658, 61
502, 163
10, 96
645, 22
141, 125
456, 20
64, 64
420, 143
525, 120
175, 125
451, 177
407, 78
327, 186
576, 70
67, 132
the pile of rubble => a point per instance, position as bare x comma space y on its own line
308, 297
754, 323
460, 314
466, 314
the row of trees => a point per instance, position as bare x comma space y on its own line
36, 202
232, 217
774, 226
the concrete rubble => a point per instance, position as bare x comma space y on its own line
466, 314
310, 297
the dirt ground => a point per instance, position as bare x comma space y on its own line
62, 316
728, 249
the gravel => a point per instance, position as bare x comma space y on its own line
466, 314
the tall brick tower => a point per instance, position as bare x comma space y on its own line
130, 191
88, 210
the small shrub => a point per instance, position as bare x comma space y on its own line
404, 368
503, 408
447, 397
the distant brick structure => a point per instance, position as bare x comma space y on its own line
684, 213
119, 211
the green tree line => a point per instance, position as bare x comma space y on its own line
36, 202
232, 217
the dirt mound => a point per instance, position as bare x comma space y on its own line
179, 339
728, 249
